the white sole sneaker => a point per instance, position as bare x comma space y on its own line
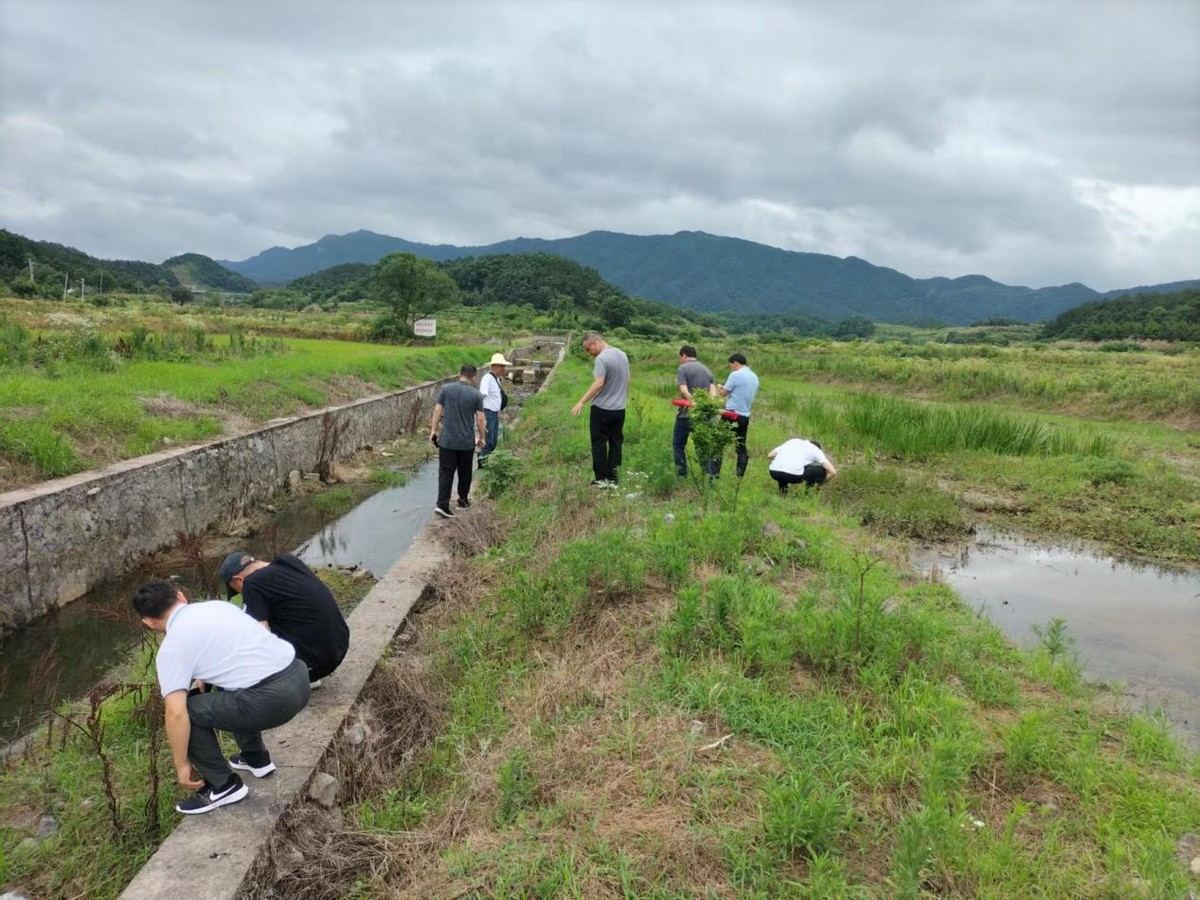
236, 762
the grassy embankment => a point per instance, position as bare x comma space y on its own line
756, 701
70, 402
638, 699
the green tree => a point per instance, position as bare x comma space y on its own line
410, 287
181, 294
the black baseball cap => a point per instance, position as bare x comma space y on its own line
234, 563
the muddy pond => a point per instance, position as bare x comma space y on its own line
1136, 627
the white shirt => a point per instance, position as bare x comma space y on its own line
792, 456
489, 386
218, 643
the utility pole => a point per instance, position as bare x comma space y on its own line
31, 268
101, 281
82, 288
65, 276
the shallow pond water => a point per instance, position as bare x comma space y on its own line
1134, 625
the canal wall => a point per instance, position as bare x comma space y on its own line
60, 538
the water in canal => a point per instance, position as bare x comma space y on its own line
61, 655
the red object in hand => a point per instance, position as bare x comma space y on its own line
680, 401
729, 414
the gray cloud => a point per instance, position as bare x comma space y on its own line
1035, 142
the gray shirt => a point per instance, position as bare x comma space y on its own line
695, 376
613, 364
459, 402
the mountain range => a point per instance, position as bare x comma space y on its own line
711, 273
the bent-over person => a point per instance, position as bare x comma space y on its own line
263, 685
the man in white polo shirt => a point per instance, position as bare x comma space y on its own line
262, 685
800, 461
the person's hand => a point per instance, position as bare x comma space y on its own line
188, 779
577, 409
479, 443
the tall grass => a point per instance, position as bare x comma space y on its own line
918, 430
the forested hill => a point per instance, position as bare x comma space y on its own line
1172, 317
51, 262
709, 273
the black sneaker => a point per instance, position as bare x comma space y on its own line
238, 761
445, 512
464, 504
209, 798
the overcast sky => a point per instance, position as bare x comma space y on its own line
1035, 142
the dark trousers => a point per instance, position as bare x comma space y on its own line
245, 714
492, 418
449, 463
813, 474
683, 430
608, 435
740, 428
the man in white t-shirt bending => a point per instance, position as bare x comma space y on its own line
799, 461
262, 684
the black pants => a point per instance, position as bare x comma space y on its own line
608, 435
245, 714
740, 428
449, 463
813, 474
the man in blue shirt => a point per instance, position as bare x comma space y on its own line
739, 390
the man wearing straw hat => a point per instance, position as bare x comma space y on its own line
493, 401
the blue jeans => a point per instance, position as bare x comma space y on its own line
492, 418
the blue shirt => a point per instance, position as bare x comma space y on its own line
742, 385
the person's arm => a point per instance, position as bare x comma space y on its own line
722, 390
773, 453
830, 469
683, 391
179, 729
437, 418
712, 389
588, 395
480, 428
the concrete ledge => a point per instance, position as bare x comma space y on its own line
209, 857
59, 538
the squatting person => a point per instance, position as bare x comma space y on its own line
263, 685
289, 599
800, 461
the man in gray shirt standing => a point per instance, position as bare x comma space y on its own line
693, 376
608, 393
459, 412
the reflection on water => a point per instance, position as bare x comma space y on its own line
376, 532
1138, 625
64, 653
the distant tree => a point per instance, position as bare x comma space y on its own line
853, 327
181, 294
410, 287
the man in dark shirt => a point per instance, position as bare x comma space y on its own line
286, 597
458, 428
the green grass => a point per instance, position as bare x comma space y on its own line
77, 418
651, 700
659, 692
